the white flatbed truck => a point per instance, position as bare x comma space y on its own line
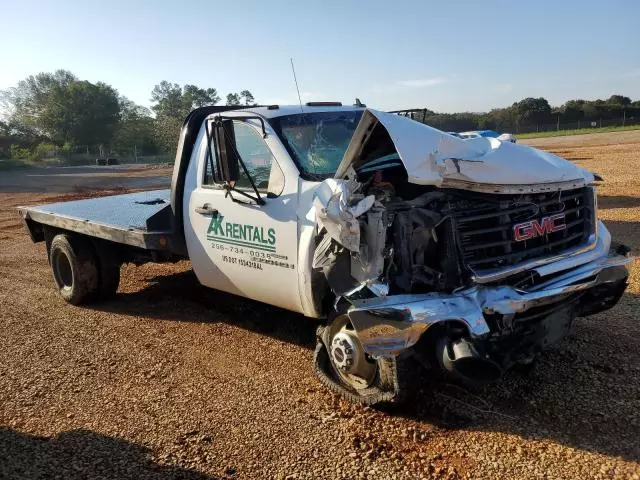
416, 247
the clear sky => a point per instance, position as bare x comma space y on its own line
446, 55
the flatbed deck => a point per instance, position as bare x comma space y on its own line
141, 219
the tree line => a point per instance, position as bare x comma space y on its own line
59, 114
532, 112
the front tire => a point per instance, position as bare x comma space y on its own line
342, 365
74, 267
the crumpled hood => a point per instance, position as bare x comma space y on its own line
433, 157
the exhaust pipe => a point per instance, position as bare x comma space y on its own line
460, 358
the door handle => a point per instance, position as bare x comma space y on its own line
206, 209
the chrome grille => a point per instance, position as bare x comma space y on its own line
484, 225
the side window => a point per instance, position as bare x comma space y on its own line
256, 156
258, 159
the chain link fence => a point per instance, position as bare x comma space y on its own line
579, 125
425, 116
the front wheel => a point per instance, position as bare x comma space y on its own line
346, 369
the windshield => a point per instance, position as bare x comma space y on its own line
317, 141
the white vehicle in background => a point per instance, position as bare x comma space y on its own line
505, 137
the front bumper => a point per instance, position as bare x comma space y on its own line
388, 325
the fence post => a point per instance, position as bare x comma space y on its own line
624, 116
558, 125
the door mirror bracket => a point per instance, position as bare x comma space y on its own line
228, 159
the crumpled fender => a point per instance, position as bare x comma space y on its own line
433, 157
333, 212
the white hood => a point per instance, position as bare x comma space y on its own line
433, 157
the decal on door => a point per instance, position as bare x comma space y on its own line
240, 234
246, 245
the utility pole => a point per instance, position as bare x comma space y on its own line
558, 126
624, 116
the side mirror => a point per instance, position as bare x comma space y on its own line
226, 158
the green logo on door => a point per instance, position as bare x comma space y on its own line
241, 234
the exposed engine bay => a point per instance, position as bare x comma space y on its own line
386, 238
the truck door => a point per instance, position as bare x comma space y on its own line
238, 246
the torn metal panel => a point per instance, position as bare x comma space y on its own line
432, 157
368, 264
337, 215
386, 326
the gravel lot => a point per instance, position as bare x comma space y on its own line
171, 380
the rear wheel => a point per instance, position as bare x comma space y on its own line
345, 368
109, 270
74, 268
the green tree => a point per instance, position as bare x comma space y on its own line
197, 97
532, 111
175, 101
135, 133
247, 97
172, 105
93, 113
619, 100
233, 99
63, 108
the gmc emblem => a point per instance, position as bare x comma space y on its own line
534, 228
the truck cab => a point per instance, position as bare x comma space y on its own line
250, 247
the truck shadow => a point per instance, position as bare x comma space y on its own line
81, 454
180, 297
581, 394
584, 393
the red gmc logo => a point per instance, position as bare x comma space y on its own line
534, 228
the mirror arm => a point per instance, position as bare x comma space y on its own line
258, 199
209, 153
230, 189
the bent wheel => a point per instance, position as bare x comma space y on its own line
343, 366
354, 367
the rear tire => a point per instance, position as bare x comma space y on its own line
74, 267
109, 270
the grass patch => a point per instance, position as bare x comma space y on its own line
578, 131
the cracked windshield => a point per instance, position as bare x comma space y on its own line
317, 141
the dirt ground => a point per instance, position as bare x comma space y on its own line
170, 380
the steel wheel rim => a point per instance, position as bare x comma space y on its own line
364, 370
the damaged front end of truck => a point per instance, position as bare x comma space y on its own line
471, 256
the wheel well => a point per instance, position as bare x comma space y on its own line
425, 347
